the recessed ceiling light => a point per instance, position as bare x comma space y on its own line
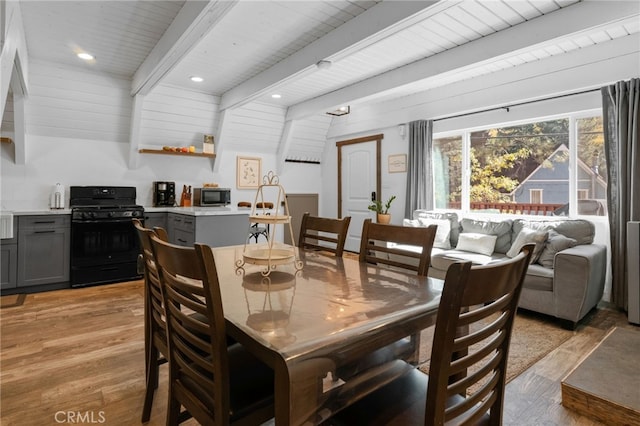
276, 96
85, 56
196, 79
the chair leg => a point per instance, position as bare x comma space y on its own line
173, 409
151, 383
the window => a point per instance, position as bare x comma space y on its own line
447, 171
591, 186
511, 167
535, 196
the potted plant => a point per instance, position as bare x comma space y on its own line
382, 211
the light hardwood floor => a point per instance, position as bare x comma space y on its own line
80, 353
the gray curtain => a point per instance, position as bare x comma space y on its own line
419, 173
621, 117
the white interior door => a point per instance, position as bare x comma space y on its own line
359, 174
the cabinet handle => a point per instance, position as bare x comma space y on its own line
181, 240
48, 231
45, 221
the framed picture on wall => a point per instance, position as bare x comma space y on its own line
397, 163
248, 172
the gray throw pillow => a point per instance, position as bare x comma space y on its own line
526, 236
555, 243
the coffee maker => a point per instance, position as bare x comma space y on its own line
164, 194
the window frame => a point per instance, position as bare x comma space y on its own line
465, 136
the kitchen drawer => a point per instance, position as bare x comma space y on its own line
151, 220
184, 238
184, 222
44, 221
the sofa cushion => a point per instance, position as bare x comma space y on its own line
476, 243
501, 229
539, 278
450, 216
442, 239
580, 230
555, 243
526, 236
442, 259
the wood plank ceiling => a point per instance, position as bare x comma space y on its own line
246, 51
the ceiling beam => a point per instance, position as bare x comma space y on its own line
193, 22
569, 20
375, 24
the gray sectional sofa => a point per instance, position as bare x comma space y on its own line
566, 277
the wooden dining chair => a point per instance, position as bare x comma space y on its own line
256, 230
378, 245
155, 341
214, 382
376, 248
467, 371
331, 232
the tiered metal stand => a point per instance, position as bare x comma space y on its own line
269, 255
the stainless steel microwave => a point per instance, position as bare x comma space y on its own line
211, 196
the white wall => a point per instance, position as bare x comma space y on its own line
90, 162
391, 183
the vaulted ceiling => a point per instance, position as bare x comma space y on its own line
247, 51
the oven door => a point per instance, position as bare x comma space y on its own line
103, 252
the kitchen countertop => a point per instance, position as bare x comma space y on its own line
199, 211
191, 211
34, 212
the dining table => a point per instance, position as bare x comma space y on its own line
312, 319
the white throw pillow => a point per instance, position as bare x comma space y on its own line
477, 243
526, 236
442, 233
410, 222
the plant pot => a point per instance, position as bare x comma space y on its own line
383, 218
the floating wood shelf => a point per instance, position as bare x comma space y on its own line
5, 140
187, 154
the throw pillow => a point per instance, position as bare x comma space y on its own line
501, 229
526, 236
555, 243
442, 234
410, 222
477, 243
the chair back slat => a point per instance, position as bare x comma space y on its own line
377, 246
314, 229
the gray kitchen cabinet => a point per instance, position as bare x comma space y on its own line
153, 219
213, 230
44, 247
9, 260
181, 229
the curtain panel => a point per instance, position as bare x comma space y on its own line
419, 172
621, 119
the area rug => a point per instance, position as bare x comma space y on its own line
533, 337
